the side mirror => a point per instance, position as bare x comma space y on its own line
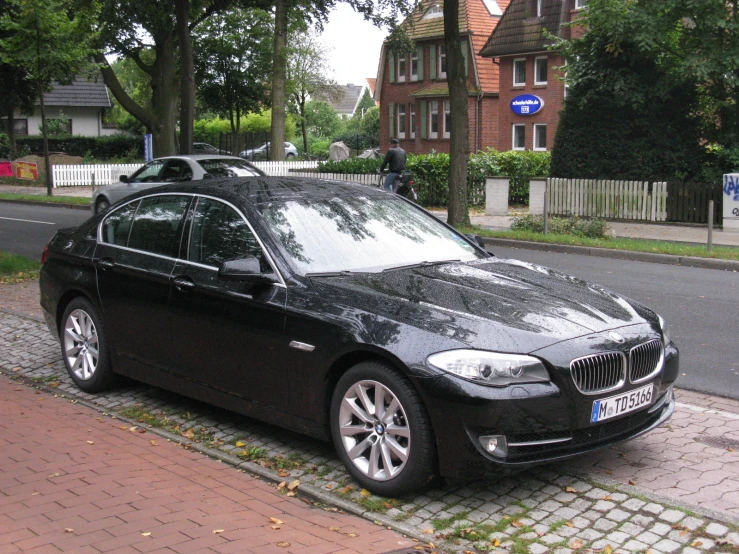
245, 269
123, 178
477, 239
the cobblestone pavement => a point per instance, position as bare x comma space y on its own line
674, 490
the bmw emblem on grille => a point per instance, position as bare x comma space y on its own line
616, 337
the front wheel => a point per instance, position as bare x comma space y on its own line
381, 430
84, 346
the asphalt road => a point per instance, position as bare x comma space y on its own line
25, 229
700, 305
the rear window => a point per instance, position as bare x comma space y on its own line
224, 167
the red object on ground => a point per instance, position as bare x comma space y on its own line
6, 169
26, 170
75, 480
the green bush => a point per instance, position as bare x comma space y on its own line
4, 146
319, 149
590, 228
352, 166
100, 148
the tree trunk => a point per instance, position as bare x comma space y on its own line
303, 126
11, 133
459, 150
47, 162
279, 83
187, 78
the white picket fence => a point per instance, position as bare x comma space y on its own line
280, 169
82, 175
637, 200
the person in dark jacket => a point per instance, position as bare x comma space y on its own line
395, 160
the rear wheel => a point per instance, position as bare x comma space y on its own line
381, 430
84, 346
101, 205
290, 155
408, 192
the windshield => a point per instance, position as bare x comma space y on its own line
226, 167
361, 234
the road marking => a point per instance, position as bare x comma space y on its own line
701, 409
29, 221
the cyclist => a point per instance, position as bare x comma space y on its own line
395, 160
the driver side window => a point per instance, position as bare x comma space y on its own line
219, 233
150, 173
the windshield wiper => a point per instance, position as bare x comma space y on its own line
420, 264
331, 274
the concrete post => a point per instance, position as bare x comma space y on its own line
496, 195
536, 196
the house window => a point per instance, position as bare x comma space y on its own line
401, 69
580, 4
541, 67
401, 120
442, 61
493, 8
519, 72
432, 12
540, 137
413, 121
433, 119
414, 65
20, 126
447, 119
519, 137
538, 8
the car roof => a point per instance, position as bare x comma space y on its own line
258, 190
196, 157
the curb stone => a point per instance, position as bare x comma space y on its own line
667, 259
40, 203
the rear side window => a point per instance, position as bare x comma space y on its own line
219, 233
157, 226
117, 225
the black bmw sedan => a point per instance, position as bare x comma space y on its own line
351, 314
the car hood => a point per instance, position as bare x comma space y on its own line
500, 304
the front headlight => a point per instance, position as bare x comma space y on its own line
490, 368
666, 337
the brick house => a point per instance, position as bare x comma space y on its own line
531, 89
412, 89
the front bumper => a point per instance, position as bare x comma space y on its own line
548, 421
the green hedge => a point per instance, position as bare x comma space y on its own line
101, 148
432, 173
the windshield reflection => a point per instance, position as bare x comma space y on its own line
360, 234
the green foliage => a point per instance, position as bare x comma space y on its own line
365, 103
209, 130
352, 166
57, 126
100, 148
137, 84
17, 268
320, 148
4, 146
595, 228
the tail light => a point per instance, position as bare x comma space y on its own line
45, 254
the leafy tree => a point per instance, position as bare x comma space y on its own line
320, 119
365, 103
52, 40
232, 62
137, 85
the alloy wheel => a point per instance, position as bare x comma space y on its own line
81, 344
374, 430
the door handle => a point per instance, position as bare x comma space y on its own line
183, 283
105, 263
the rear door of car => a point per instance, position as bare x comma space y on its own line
134, 259
229, 334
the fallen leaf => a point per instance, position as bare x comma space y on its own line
329, 486
569, 524
283, 473
17, 369
608, 549
218, 531
418, 548
684, 532
54, 384
34, 493
294, 485
387, 505
571, 489
696, 544
333, 528
730, 449
291, 493
153, 443
429, 531
609, 472
90, 442
124, 427
495, 542
189, 434
134, 428
631, 483
281, 485
283, 544
68, 530
57, 474
575, 544
99, 418
240, 444
276, 521
346, 489
607, 497
365, 492
517, 524
275, 527
147, 534
352, 535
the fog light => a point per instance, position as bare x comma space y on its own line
494, 445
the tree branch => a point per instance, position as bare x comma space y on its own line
114, 85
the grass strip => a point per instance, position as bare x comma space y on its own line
45, 198
15, 268
613, 243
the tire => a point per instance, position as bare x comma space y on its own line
408, 193
81, 330
101, 205
290, 155
372, 448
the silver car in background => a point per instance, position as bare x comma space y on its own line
262, 153
172, 169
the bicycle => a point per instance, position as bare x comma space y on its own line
403, 184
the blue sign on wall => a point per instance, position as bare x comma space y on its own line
526, 104
147, 148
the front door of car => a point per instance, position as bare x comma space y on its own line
134, 261
229, 333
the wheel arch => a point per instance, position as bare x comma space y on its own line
64, 301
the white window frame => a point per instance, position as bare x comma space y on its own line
447, 118
433, 12
412, 119
539, 7
414, 59
401, 63
579, 4
513, 136
442, 61
516, 61
537, 129
433, 111
402, 121
536, 70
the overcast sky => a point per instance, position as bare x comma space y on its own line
356, 45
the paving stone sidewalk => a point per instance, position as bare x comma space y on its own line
684, 496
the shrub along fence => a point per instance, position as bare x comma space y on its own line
102, 148
688, 202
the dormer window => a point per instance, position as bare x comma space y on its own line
434, 11
493, 8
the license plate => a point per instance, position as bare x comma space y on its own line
606, 408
